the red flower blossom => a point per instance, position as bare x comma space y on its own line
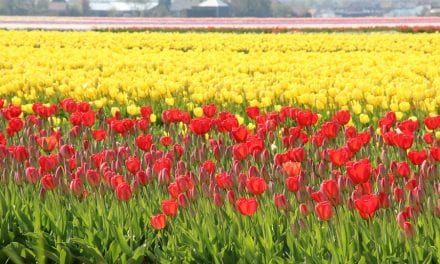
240, 133
432, 122
99, 134
340, 156
76, 186
169, 207
417, 157
48, 182
93, 177
224, 180
144, 142
162, 164
256, 185
331, 190
293, 184
240, 151
158, 221
359, 171
146, 111
200, 125
133, 164
403, 169
306, 118
367, 205
281, 201
123, 191
166, 140
247, 206
342, 117
292, 168
252, 112
324, 210
209, 166
435, 153
209, 110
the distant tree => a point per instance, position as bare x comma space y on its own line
251, 8
281, 10
23, 7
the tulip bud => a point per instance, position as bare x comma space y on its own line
409, 231
231, 196
218, 200
303, 209
181, 200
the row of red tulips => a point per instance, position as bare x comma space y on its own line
307, 164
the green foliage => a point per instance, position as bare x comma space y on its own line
100, 229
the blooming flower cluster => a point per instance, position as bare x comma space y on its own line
366, 74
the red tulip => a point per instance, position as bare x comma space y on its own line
116, 180
146, 111
218, 200
2, 139
292, 168
293, 184
342, 117
359, 171
48, 163
123, 191
403, 140
240, 133
200, 125
428, 138
209, 110
209, 166
224, 180
252, 112
399, 195
158, 221
417, 157
354, 144
306, 118
169, 207
324, 210
331, 190
31, 174
19, 153
340, 156
48, 143
162, 164
408, 229
76, 186
99, 134
256, 185
296, 154
367, 205
435, 153
403, 169
69, 105
144, 142
231, 196
240, 151
330, 129
48, 182
166, 140
432, 122
303, 209
281, 201
247, 206
93, 177
133, 164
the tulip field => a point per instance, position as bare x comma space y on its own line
168, 147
